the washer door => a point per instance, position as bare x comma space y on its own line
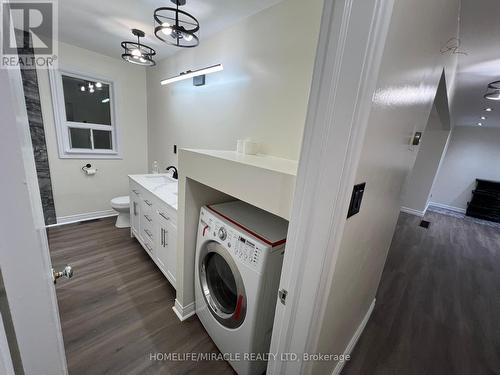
222, 285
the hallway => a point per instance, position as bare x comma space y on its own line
438, 303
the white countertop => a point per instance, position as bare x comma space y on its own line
161, 185
273, 163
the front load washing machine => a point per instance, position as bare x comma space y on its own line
239, 255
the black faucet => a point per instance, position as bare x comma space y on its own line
175, 175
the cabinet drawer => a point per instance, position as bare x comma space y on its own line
148, 221
148, 245
167, 215
135, 189
147, 232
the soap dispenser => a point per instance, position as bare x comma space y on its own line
156, 168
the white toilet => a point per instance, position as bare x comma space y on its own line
122, 206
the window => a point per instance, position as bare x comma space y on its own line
84, 116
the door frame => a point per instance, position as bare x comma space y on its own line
24, 255
350, 48
351, 44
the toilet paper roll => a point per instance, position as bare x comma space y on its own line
250, 148
90, 171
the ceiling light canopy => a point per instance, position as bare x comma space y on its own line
192, 73
137, 53
176, 27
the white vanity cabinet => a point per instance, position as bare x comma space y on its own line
153, 223
135, 209
166, 246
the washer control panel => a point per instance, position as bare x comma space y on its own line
222, 233
243, 248
247, 252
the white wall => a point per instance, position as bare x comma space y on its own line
74, 192
408, 81
418, 186
262, 92
474, 152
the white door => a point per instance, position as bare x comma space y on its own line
34, 334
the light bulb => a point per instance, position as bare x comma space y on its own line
142, 60
82, 88
188, 37
136, 53
479, 124
483, 117
488, 109
167, 29
98, 85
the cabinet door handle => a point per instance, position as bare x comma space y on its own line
150, 249
148, 218
135, 208
135, 191
148, 233
163, 215
148, 202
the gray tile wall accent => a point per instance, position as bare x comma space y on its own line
32, 98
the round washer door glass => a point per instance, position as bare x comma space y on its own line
221, 282
222, 285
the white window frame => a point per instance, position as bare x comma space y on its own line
63, 126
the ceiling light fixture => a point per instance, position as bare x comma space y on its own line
479, 124
483, 117
488, 109
137, 53
193, 73
105, 100
176, 27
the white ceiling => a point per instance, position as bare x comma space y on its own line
101, 25
480, 37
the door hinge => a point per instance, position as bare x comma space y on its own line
282, 293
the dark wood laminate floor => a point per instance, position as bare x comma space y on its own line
117, 309
438, 304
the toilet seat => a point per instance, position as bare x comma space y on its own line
121, 202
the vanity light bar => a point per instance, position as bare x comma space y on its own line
193, 73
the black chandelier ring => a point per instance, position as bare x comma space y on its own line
182, 31
138, 53
494, 85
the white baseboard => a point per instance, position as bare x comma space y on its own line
62, 220
411, 211
352, 343
446, 207
183, 312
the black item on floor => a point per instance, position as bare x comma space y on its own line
485, 203
425, 224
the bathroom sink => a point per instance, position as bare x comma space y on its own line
160, 179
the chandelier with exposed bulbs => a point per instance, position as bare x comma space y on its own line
136, 52
176, 27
